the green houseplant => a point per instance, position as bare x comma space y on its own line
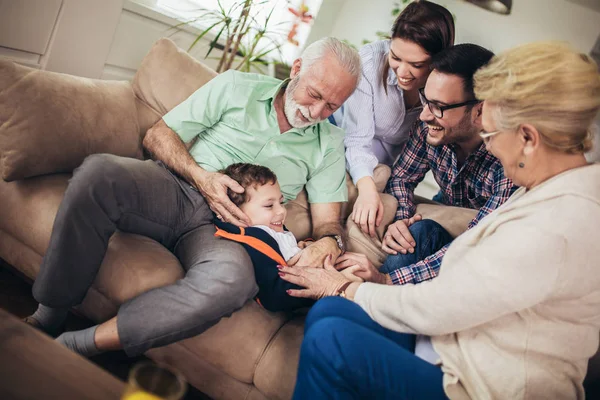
249, 34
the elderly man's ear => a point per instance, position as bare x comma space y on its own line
296, 65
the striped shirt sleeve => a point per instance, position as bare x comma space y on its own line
358, 121
423, 270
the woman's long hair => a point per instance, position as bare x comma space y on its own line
427, 24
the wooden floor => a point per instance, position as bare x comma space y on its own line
16, 298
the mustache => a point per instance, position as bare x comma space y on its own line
304, 111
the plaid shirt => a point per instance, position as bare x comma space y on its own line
479, 184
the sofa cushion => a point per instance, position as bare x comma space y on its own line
50, 122
167, 76
28, 208
276, 371
237, 343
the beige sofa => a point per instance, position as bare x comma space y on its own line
48, 124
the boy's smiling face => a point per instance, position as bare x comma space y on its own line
265, 206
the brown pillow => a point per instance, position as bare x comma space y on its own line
167, 76
50, 122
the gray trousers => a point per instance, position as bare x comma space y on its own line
108, 193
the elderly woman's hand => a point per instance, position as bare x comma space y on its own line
319, 282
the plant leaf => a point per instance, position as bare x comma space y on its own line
200, 36
214, 42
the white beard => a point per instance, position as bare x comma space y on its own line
291, 107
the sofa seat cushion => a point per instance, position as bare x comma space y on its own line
276, 371
28, 208
49, 122
237, 343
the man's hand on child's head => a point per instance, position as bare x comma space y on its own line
213, 186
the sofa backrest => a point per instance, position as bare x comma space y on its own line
49, 122
167, 76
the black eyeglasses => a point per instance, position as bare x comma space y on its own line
438, 110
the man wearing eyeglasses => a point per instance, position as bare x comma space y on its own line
446, 141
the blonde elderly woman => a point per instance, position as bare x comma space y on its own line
514, 312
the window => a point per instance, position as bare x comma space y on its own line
289, 24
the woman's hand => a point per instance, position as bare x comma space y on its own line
319, 282
397, 238
360, 266
368, 208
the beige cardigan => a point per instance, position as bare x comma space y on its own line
515, 310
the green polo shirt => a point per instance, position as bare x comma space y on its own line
233, 119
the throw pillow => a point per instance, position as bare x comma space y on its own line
49, 122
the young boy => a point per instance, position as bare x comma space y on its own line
266, 240
262, 202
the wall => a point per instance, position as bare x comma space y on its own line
71, 36
530, 20
329, 13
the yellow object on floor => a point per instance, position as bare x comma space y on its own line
140, 395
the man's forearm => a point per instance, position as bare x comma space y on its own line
327, 221
406, 204
164, 145
329, 229
326, 232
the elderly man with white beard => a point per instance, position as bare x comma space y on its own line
235, 118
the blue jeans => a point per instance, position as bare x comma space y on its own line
347, 355
429, 238
439, 197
